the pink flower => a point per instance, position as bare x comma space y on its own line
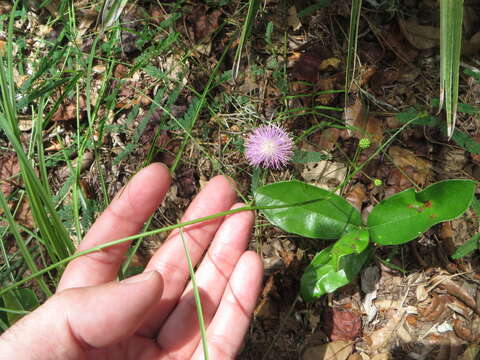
269, 146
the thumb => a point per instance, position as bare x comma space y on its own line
80, 319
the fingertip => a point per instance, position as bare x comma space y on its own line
252, 260
159, 167
155, 172
223, 181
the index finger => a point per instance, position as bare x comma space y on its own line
124, 217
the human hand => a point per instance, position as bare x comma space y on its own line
151, 315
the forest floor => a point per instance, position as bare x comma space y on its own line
168, 67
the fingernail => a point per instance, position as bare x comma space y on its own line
138, 278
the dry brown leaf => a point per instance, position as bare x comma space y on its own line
417, 168
24, 216
330, 62
393, 38
424, 37
382, 356
340, 324
357, 195
9, 169
327, 139
420, 37
325, 174
325, 85
471, 352
380, 338
204, 23
292, 18
306, 67
462, 330
456, 290
361, 124
436, 308
68, 110
335, 350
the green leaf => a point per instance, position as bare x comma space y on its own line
406, 215
336, 266
307, 210
416, 117
467, 248
451, 17
468, 109
476, 206
465, 141
303, 157
312, 8
19, 301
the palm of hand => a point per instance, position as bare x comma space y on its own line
96, 317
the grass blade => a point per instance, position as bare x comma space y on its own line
253, 6
352, 45
196, 294
451, 18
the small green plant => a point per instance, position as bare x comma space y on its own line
309, 211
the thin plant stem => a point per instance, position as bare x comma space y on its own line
149, 233
196, 294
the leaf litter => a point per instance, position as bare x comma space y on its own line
293, 71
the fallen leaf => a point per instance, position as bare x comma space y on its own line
185, 181
392, 37
471, 352
369, 283
292, 18
306, 67
424, 37
335, 350
9, 169
382, 356
327, 139
23, 215
418, 169
421, 37
436, 308
340, 324
462, 330
330, 63
381, 338
356, 195
455, 290
326, 84
360, 124
68, 110
325, 174
204, 23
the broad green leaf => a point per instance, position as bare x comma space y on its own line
467, 248
307, 210
336, 266
406, 215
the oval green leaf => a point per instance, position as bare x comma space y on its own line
307, 210
406, 215
336, 266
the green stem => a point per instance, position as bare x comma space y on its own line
150, 233
196, 294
